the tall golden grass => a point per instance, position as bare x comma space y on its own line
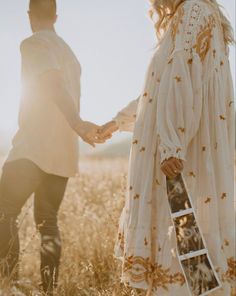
88, 221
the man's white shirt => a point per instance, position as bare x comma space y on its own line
44, 135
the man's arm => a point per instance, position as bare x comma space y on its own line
51, 86
41, 72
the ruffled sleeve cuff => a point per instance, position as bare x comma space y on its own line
124, 122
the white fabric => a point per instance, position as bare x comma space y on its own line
44, 136
186, 111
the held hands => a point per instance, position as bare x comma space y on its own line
94, 134
108, 129
172, 167
89, 133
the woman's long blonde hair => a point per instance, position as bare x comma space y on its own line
165, 9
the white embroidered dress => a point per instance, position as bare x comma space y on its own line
185, 111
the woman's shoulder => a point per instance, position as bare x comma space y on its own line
204, 7
193, 13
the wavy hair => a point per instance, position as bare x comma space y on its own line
162, 12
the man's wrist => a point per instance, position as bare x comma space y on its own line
78, 124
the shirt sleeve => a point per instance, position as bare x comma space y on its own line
126, 118
37, 58
180, 95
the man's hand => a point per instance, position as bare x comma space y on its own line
172, 167
108, 129
89, 132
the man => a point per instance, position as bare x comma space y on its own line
45, 151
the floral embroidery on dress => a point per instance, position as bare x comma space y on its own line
178, 78
141, 269
224, 195
182, 129
145, 241
230, 274
142, 149
192, 174
214, 53
203, 39
177, 20
222, 117
208, 200
157, 182
136, 196
192, 32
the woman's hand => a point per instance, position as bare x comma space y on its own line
172, 167
108, 129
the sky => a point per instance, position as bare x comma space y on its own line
113, 41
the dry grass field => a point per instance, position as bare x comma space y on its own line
88, 220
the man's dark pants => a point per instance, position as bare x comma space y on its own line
19, 180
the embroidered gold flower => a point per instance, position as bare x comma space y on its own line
214, 53
222, 117
141, 269
208, 200
224, 195
178, 78
182, 129
142, 149
135, 142
157, 182
145, 94
190, 61
226, 242
145, 241
177, 20
178, 150
203, 148
203, 39
191, 174
150, 100
230, 275
137, 196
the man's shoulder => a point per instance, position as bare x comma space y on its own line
32, 42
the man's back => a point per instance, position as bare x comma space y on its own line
44, 135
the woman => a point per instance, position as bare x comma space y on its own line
183, 122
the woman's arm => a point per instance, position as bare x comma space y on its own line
123, 121
126, 118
